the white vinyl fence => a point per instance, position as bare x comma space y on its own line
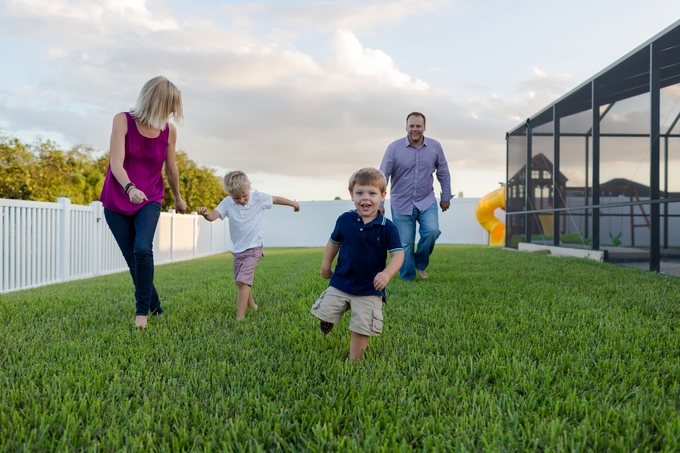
44, 243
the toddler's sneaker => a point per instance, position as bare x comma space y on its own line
326, 326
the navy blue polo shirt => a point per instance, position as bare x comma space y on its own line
363, 252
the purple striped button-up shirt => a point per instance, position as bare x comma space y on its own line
410, 170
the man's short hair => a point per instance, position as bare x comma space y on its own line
417, 114
236, 182
368, 177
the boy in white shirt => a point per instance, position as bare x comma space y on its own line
245, 210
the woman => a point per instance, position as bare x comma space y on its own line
142, 142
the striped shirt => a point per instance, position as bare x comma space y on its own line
410, 170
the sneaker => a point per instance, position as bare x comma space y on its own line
326, 326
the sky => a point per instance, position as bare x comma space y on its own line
300, 94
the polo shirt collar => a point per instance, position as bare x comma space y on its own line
380, 220
246, 206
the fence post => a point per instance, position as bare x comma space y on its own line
212, 239
195, 219
172, 235
228, 245
96, 246
64, 238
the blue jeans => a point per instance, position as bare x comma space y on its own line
429, 232
134, 235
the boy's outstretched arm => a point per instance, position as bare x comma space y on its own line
286, 202
383, 278
328, 257
210, 216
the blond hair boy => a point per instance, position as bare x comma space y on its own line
245, 210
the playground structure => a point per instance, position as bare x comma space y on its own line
485, 212
599, 165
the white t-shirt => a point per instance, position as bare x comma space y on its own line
246, 223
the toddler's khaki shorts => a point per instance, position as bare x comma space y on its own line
367, 315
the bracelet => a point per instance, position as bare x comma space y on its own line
128, 186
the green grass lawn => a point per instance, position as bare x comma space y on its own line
497, 351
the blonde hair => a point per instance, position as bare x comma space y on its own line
158, 100
368, 177
236, 182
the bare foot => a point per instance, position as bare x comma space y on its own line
253, 305
422, 274
140, 322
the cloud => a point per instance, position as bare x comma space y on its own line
251, 102
352, 58
359, 16
88, 14
543, 88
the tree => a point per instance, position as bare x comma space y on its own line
43, 172
16, 162
77, 174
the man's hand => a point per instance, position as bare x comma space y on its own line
444, 205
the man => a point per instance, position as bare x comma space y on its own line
409, 163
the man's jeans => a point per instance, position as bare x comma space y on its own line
134, 235
429, 232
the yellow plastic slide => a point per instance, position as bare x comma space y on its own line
486, 217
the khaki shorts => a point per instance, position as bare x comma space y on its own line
367, 315
245, 263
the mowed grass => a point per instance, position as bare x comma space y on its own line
497, 351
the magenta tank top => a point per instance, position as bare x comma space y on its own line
144, 159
